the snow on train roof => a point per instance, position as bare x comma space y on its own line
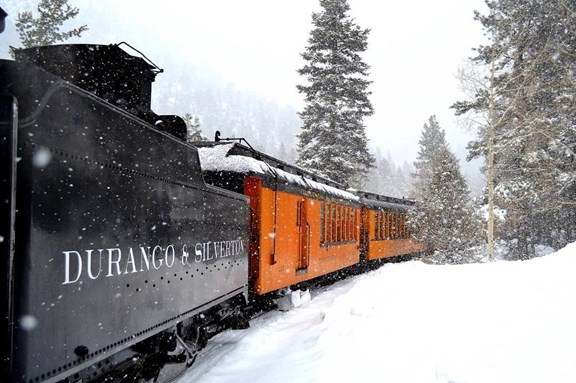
217, 158
385, 202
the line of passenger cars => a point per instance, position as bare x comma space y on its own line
304, 226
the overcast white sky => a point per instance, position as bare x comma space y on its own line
414, 51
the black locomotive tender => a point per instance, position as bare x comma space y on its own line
103, 215
118, 260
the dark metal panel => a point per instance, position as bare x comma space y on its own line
27, 83
8, 144
105, 70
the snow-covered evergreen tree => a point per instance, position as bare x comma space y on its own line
432, 145
194, 132
443, 216
333, 140
531, 98
45, 28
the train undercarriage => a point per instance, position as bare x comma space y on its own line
168, 354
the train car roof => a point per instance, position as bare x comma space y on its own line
381, 201
237, 158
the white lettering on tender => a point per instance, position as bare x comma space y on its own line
89, 263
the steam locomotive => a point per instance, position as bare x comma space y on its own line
124, 248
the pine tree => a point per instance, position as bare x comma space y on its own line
193, 128
333, 140
443, 216
432, 145
45, 29
533, 118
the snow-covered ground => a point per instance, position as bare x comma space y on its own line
412, 322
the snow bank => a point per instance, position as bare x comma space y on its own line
411, 322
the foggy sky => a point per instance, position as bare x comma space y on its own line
414, 50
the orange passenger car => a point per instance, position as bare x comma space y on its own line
302, 226
384, 230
